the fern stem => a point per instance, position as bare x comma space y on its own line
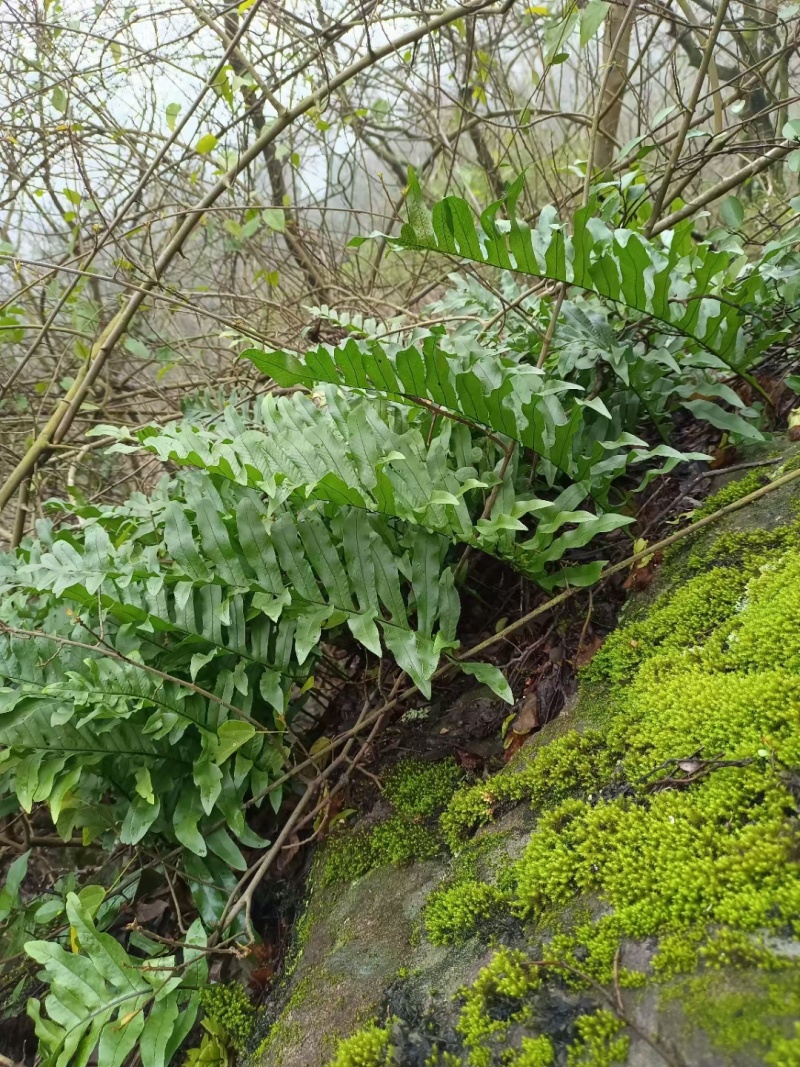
624, 564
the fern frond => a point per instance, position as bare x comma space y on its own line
705, 294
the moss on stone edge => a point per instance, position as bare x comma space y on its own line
743, 1019
497, 999
454, 912
704, 865
368, 1047
417, 791
678, 818
732, 492
492, 1005
572, 764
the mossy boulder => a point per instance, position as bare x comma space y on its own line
627, 890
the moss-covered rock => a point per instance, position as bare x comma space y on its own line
417, 792
627, 890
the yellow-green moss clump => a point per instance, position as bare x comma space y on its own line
228, 1005
457, 910
678, 621
498, 999
417, 791
744, 549
732, 492
574, 763
368, 1047
745, 1019
600, 1044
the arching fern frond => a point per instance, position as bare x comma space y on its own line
708, 295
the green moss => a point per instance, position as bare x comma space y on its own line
734, 948
683, 618
347, 856
678, 952
746, 549
443, 1058
300, 994
464, 901
496, 1000
600, 1042
228, 1005
300, 935
766, 633
732, 492
397, 840
368, 1047
573, 763
693, 838
677, 621
678, 823
591, 951
722, 851
533, 1052
418, 790
747, 1019
454, 912
785, 1051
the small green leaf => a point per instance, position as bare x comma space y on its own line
592, 18
172, 112
221, 845
731, 212
232, 734
144, 787
140, 816
157, 1031
185, 820
206, 144
91, 897
208, 779
722, 419
49, 910
489, 675
58, 98
9, 894
137, 348
275, 218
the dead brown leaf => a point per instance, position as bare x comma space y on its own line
514, 743
148, 911
527, 718
587, 651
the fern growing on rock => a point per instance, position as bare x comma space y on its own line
151, 651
